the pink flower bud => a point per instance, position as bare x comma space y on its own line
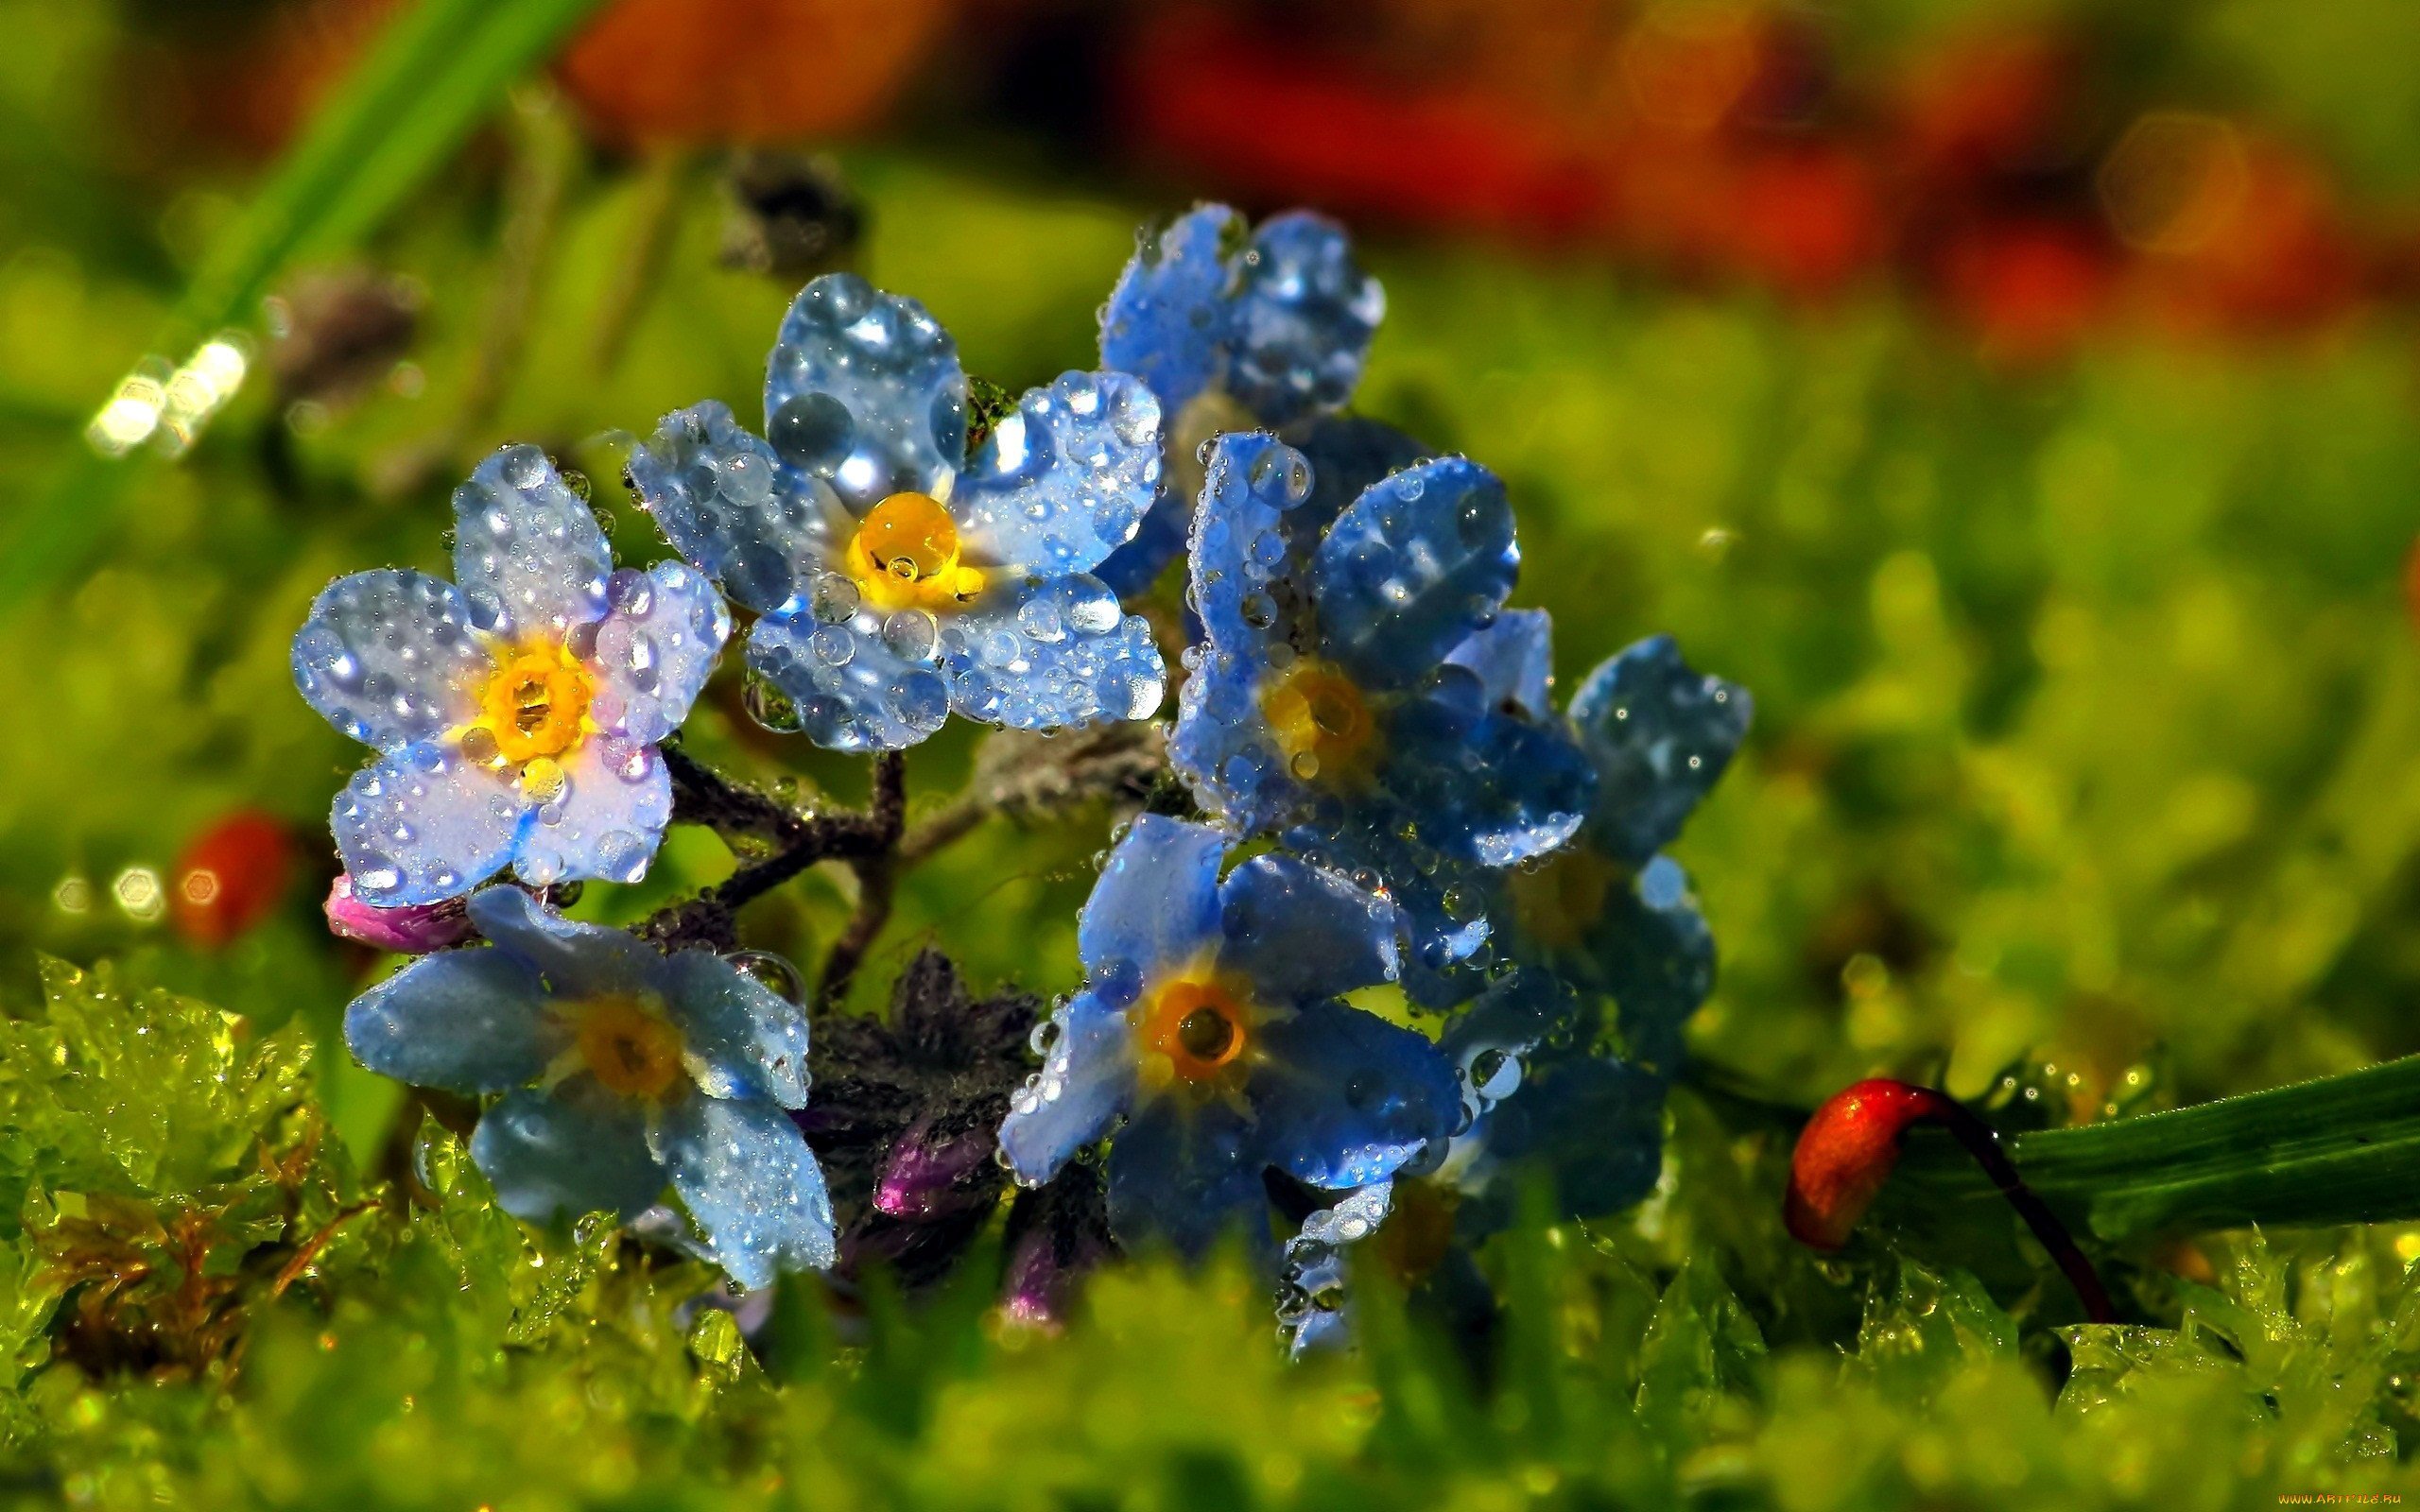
414, 929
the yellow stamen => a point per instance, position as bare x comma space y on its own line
906, 556
1558, 903
1192, 1028
534, 705
633, 1050
1321, 723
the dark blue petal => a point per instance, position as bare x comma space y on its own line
557, 1154
1166, 321
1594, 1124
1086, 1079
1419, 561
424, 824
1064, 480
1156, 905
653, 652
1341, 1098
1513, 660
1348, 454
467, 1021
864, 391
1656, 958
1301, 321
1301, 933
579, 961
1542, 1098
605, 824
727, 503
1184, 1174
527, 552
388, 658
742, 1039
747, 1177
1052, 652
853, 689
1660, 734
1136, 565
1487, 786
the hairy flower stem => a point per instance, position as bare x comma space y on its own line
704, 795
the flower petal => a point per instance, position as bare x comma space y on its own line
1156, 905
744, 1039
606, 823
864, 391
1342, 1098
1064, 480
745, 1174
579, 961
1052, 652
1086, 1079
1301, 932
468, 1020
1513, 660
1181, 1173
574, 1150
388, 658
655, 649
1661, 735
1592, 1123
1348, 454
1422, 559
1311, 1277
1165, 320
527, 551
1223, 749
1240, 585
1658, 959
729, 504
852, 689
1488, 787
424, 823
1301, 321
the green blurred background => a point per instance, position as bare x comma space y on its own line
2018, 397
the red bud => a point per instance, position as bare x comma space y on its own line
229, 877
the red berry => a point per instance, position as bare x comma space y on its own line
229, 877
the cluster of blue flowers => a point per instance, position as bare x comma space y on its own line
1385, 793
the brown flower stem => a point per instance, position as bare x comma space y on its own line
710, 918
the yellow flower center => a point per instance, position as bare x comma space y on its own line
1191, 1029
1558, 903
633, 1050
906, 556
534, 708
1321, 723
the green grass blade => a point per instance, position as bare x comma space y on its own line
434, 75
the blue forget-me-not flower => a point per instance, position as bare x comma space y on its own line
1211, 1018
1233, 328
898, 579
623, 1069
1326, 703
516, 710
1607, 911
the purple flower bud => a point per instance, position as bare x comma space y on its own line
923, 1180
414, 929
1055, 1235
